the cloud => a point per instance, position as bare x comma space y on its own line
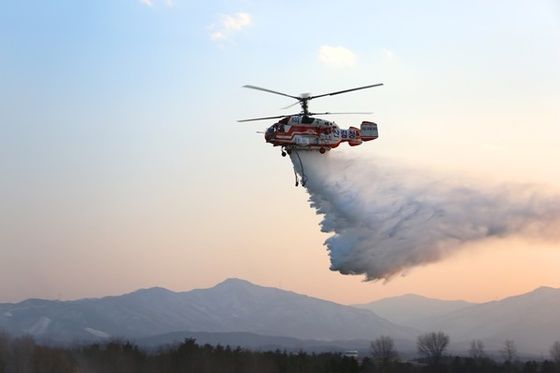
168, 3
336, 56
229, 25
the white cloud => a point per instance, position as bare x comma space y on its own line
336, 56
229, 25
236, 22
168, 3
217, 36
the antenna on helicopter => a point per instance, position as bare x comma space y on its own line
304, 98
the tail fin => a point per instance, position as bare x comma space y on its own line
368, 131
355, 138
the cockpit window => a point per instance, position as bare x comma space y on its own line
307, 120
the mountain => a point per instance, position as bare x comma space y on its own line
531, 320
231, 306
250, 315
411, 309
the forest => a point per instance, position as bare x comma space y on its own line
24, 355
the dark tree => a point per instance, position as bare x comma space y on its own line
476, 351
555, 353
509, 352
383, 351
432, 346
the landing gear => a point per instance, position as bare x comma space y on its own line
322, 150
283, 153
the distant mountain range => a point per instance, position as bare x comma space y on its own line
531, 320
231, 306
412, 309
236, 312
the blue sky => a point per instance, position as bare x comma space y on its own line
121, 155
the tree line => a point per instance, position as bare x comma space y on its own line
24, 355
432, 349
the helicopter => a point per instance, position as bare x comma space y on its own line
302, 131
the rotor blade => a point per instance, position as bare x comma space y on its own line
346, 90
289, 106
263, 118
270, 91
352, 112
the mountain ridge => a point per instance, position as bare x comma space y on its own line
409, 309
238, 306
233, 305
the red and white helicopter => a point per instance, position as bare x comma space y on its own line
303, 132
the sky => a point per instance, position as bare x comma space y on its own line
122, 165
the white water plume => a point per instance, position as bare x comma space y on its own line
387, 219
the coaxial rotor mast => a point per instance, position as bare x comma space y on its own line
303, 100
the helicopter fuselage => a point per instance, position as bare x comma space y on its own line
303, 132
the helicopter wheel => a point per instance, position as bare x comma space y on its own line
283, 153
322, 150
